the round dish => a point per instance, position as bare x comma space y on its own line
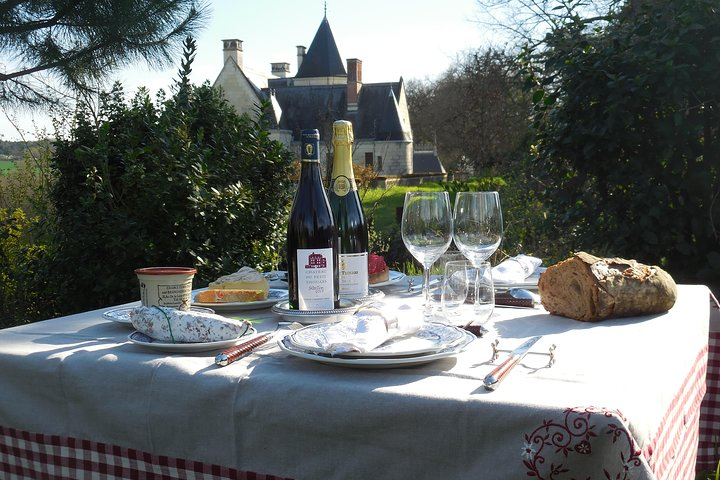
430, 338
347, 308
122, 314
394, 278
143, 340
274, 295
392, 362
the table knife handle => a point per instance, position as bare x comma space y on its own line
515, 302
492, 380
231, 354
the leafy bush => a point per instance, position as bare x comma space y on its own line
628, 142
186, 182
25, 293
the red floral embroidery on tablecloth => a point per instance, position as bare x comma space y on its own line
575, 435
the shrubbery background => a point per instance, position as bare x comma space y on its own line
180, 181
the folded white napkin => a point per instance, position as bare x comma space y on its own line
368, 328
515, 269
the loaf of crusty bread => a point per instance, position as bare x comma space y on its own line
589, 288
228, 296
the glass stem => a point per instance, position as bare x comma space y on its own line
426, 291
477, 290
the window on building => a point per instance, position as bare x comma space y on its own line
378, 165
368, 159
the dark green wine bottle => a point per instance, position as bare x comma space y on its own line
312, 242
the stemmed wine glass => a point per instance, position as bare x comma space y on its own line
478, 232
427, 230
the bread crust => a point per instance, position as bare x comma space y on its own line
590, 288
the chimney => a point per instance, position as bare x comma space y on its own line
232, 48
354, 83
300, 55
280, 69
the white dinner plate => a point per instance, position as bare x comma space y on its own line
394, 278
347, 308
274, 295
143, 340
122, 314
430, 338
383, 362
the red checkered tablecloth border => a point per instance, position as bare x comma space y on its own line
672, 452
709, 449
26, 455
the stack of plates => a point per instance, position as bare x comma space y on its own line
432, 342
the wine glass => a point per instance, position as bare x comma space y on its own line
454, 290
478, 224
478, 232
427, 229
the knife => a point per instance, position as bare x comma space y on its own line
493, 379
231, 354
514, 302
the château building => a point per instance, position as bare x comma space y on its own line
325, 89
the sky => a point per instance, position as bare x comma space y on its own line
412, 39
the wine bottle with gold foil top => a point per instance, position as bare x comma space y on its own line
312, 242
348, 215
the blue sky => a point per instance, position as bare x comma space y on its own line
413, 39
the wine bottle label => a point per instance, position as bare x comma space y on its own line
341, 185
353, 275
316, 290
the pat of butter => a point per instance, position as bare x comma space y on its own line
244, 279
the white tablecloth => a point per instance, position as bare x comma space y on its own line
623, 398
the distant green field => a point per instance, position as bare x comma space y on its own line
6, 166
383, 204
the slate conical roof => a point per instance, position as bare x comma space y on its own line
322, 58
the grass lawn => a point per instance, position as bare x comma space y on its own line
382, 204
6, 166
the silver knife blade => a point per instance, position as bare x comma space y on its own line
492, 380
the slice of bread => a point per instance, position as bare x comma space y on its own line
230, 296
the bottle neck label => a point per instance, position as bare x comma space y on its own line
342, 185
310, 149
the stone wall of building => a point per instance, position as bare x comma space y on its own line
394, 158
238, 91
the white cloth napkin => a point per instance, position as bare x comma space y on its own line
515, 269
369, 328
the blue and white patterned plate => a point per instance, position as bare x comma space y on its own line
143, 340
